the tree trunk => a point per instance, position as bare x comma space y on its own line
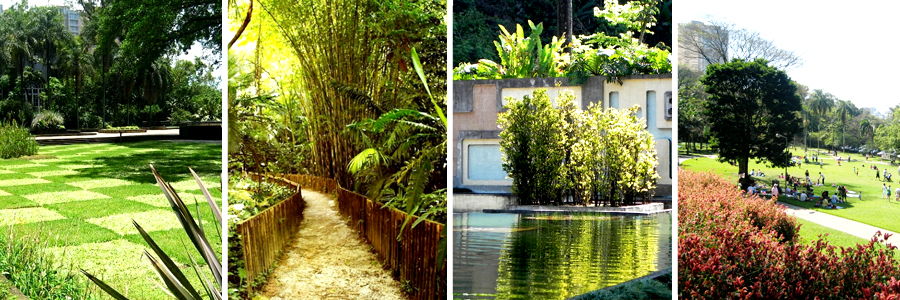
564, 21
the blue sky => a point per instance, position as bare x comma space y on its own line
848, 47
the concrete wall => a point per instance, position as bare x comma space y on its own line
479, 202
477, 103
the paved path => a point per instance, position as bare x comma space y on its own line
855, 228
167, 132
328, 260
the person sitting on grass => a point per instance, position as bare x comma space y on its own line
802, 196
751, 190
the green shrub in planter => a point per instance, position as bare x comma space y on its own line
47, 121
16, 141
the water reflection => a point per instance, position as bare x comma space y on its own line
513, 256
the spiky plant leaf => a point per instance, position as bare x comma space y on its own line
103, 286
166, 260
191, 227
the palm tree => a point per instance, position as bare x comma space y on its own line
867, 129
843, 109
50, 35
821, 103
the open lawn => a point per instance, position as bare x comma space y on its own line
810, 233
81, 199
870, 209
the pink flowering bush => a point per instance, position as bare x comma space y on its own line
733, 246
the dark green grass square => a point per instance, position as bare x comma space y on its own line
4, 176
29, 189
36, 169
15, 201
126, 191
65, 232
98, 208
13, 162
65, 178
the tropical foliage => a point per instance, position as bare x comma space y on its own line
570, 155
120, 69
16, 141
475, 23
614, 55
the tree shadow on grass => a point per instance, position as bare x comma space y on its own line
171, 159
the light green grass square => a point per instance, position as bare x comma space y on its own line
154, 220
61, 197
20, 216
23, 181
49, 160
158, 200
191, 184
2, 193
2, 171
98, 183
53, 173
20, 166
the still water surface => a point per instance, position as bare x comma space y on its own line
542, 256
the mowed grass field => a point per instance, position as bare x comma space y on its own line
870, 209
80, 201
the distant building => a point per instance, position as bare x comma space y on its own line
1, 9
71, 19
695, 38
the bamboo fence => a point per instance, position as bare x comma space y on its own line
413, 256
265, 235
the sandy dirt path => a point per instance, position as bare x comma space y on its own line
328, 260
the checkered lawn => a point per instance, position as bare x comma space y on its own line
82, 198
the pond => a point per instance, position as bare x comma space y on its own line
554, 256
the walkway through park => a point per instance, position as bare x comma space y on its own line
855, 228
328, 260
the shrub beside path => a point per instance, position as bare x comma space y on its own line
855, 228
329, 260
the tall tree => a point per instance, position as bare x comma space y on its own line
564, 19
868, 129
720, 42
821, 104
751, 108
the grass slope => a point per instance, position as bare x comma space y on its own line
871, 209
82, 198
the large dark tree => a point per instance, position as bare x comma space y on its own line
148, 29
753, 110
